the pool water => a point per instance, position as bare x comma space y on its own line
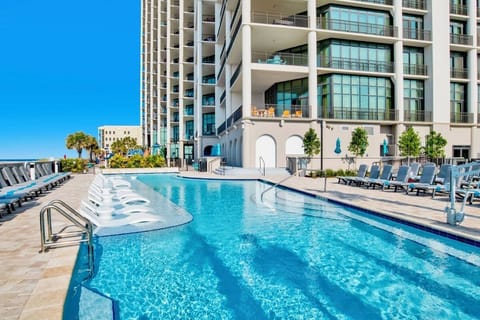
290, 256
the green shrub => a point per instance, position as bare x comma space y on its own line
350, 172
118, 161
340, 173
74, 165
155, 161
330, 173
136, 161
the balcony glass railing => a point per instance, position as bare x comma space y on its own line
463, 39
210, 79
188, 111
417, 34
414, 4
278, 19
461, 117
208, 100
417, 116
459, 73
459, 9
296, 59
281, 111
415, 69
356, 64
360, 114
356, 27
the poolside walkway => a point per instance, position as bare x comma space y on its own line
33, 285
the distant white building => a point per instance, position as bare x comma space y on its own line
109, 134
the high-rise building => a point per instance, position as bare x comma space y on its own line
253, 76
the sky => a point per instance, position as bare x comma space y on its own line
66, 66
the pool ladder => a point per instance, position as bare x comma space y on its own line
83, 229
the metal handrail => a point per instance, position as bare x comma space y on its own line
276, 184
261, 160
49, 239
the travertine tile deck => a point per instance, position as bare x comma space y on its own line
33, 285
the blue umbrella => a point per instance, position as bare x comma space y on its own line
155, 149
337, 147
385, 147
216, 151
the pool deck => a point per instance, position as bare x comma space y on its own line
33, 285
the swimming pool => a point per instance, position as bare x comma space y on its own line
290, 257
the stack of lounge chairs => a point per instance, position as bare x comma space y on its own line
16, 185
111, 203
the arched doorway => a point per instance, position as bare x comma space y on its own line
266, 148
294, 146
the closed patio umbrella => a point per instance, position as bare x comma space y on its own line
385, 147
338, 150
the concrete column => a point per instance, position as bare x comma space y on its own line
398, 60
312, 60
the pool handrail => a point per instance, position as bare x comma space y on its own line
276, 184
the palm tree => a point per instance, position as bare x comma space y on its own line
77, 141
91, 146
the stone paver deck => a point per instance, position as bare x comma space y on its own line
33, 285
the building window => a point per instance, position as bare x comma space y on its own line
413, 100
208, 124
350, 19
413, 27
354, 55
458, 64
413, 61
355, 97
287, 95
189, 129
458, 95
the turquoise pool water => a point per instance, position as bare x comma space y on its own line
289, 257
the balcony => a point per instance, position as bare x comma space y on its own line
384, 2
188, 110
360, 114
459, 9
296, 59
417, 34
459, 73
208, 37
462, 39
189, 93
281, 111
277, 19
356, 27
208, 18
417, 116
208, 100
209, 59
415, 69
209, 79
356, 65
461, 117
414, 4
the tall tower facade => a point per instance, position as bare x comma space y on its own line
178, 77
257, 74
